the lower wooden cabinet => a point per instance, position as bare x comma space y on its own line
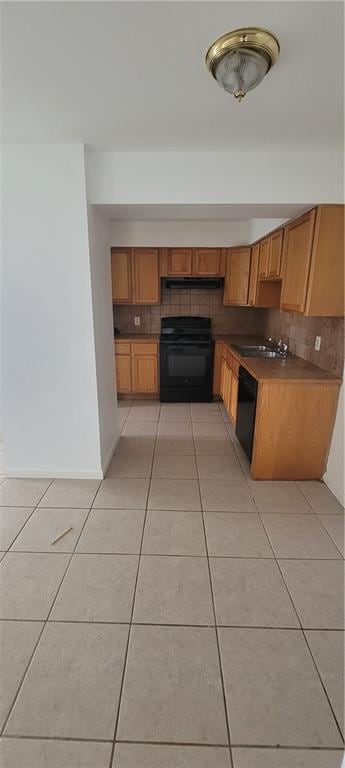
228, 389
233, 397
136, 367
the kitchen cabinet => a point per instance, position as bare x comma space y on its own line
135, 275
179, 263
123, 366
233, 398
325, 292
275, 253
136, 366
121, 275
298, 245
253, 279
264, 256
237, 276
145, 276
207, 262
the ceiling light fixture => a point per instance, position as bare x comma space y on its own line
240, 59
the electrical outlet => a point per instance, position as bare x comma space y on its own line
137, 321
317, 344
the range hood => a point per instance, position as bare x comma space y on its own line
193, 282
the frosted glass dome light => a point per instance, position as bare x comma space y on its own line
240, 59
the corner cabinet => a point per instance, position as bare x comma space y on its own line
236, 282
121, 275
135, 275
136, 364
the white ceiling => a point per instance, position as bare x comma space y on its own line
200, 212
131, 75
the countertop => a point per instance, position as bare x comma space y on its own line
137, 337
261, 368
267, 368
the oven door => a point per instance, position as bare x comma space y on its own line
186, 368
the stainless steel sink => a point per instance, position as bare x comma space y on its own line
260, 353
256, 350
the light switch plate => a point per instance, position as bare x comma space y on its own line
317, 343
137, 321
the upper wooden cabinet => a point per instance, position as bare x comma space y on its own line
121, 275
207, 262
325, 293
135, 275
237, 276
298, 244
179, 262
253, 279
275, 253
264, 257
145, 276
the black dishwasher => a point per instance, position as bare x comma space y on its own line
246, 407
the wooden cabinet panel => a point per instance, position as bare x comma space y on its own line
237, 276
207, 262
264, 257
303, 413
222, 379
144, 348
253, 279
122, 347
298, 241
145, 271
123, 373
275, 254
325, 295
121, 278
233, 398
227, 391
179, 262
145, 373
217, 366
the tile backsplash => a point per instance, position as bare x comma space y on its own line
207, 303
299, 333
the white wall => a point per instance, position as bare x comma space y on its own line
99, 242
51, 420
214, 177
334, 476
192, 232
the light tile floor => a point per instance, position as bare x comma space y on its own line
191, 617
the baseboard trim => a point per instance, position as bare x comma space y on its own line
53, 474
110, 455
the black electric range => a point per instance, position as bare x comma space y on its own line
186, 359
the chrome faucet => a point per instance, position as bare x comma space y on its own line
279, 346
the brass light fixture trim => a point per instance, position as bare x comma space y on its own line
250, 41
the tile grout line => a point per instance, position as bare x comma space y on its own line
29, 518
117, 719
227, 719
306, 641
45, 622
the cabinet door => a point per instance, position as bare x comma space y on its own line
121, 278
233, 398
264, 257
179, 261
145, 270
325, 294
222, 379
206, 262
253, 280
145, 373
123, 373
276, 247
237, 276
227, 393
298, 243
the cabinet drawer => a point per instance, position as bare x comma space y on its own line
144, 348
122, 347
